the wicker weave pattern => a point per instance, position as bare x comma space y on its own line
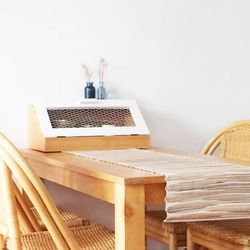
235, 144
70, 219
93, 237
172, 234
154, 219
215, 142
236, 231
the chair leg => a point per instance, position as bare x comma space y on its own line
190, 244
2, 242
173, 242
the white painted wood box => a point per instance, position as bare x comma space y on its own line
91, 125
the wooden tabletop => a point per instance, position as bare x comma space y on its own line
129, 189
102, 170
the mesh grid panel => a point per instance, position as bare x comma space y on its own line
90, 117
236, 144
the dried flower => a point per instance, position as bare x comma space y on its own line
102, 66
86, 72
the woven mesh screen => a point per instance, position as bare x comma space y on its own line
90, 117
235, 144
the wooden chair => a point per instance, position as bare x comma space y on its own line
174, 234
16, 229
231, 234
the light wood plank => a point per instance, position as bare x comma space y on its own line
93, 186
129, 217
101, 170
2, 242
151, 190
196, 238
173, 242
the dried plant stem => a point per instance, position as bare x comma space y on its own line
86, 72
102, 67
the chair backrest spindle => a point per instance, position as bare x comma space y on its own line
27, 215
10, 206
13, 161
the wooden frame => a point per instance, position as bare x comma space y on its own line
215, 141
39, 140
16, 230
129, 189
198, 241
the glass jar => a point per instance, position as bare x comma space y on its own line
111, 93
101, 91
89, 90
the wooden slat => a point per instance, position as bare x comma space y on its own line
24, 209
25, 225
151, 190
95, 142
129, 217
101, 170
2, 242
10, 205
95, 187
212, 242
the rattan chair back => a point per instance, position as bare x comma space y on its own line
233, 144
225, 141
13, 165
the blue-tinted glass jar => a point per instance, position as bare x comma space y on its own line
101, 91
89, 91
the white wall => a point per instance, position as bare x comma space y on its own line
185, 62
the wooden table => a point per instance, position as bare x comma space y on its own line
129, 189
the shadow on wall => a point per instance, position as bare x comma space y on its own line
170, 131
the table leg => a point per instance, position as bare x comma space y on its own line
129, 217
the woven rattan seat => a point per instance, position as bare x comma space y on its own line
19, 230
234, 145
235, 231
70, 219
174, 233
154, 220
92, 237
